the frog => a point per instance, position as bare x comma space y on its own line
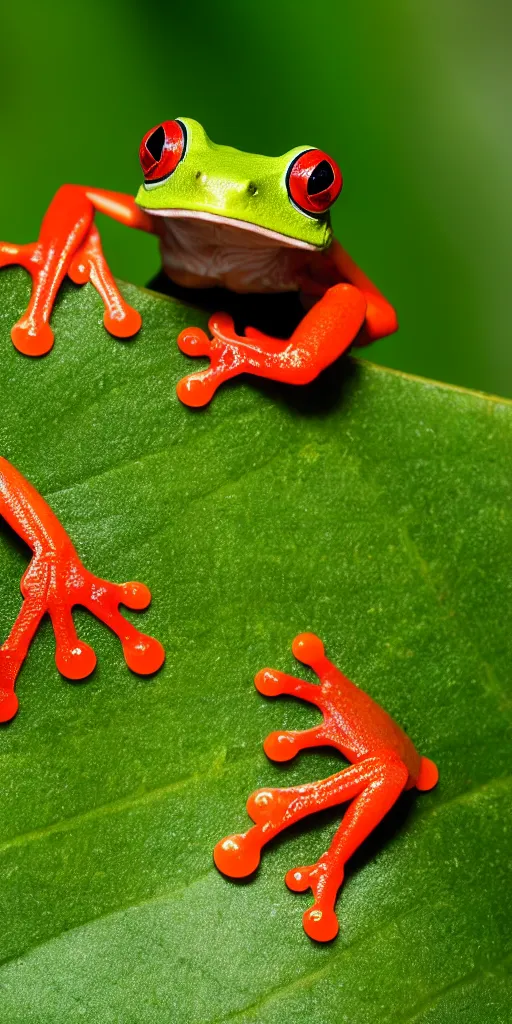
253, 231
54, 582
383, 764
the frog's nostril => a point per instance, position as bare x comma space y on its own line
198, 174
252, 188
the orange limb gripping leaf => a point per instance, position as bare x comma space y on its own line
324, 333
347, 309
69, 243
384, 762
54, 582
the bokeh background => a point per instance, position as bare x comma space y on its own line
412, 99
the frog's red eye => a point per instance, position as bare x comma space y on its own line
161, 150
314, 181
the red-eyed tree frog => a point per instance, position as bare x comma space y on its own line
252, 232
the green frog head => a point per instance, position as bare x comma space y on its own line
286, 198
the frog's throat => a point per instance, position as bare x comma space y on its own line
216, 218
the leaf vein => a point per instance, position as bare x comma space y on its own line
433, 998
312, 977
127, 803
160, 897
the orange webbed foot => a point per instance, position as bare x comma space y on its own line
69, 244
227, 355
54, 583
378, 750
75, 585
324, 333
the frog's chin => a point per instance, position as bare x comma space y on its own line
243, 225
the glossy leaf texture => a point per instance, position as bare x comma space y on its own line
371, 508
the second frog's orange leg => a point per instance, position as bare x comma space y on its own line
384, 762
54, 582
69, 243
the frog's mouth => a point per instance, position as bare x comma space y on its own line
233, 222
201, 249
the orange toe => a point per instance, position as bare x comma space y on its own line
298, 879
30, 340
125, 326
267, 682
237, 856
135, 595
194, 391
281, 746
428, 775
320, 924
76, 663
308, 648
194, 342
145, 656
8, 705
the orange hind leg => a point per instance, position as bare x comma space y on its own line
373, 786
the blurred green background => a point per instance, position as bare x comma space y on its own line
413, 99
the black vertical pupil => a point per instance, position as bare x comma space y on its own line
320, 178
156, 142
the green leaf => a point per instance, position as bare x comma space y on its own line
370, 508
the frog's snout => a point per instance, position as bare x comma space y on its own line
248, 187
219, 194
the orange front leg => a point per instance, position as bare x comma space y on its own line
325, 332
69, 243
54, 582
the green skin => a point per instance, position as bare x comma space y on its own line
223, 182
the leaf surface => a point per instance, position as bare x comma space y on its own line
371, 508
